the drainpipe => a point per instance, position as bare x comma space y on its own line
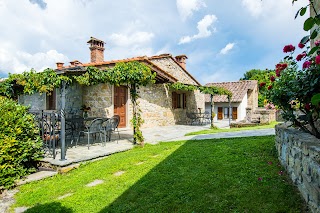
63, 121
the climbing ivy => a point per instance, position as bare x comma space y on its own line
204, 89
31, 82
131, 74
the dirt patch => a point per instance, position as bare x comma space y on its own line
94, 183
119, 173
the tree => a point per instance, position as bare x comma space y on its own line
262, 76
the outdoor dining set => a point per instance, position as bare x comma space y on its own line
77, 130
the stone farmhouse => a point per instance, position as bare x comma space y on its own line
244, 98
160, 106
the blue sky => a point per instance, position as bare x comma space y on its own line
222, 39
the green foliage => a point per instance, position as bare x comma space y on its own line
92, 76
261, 76
204, 89
297, 91
131, 73
20, 144
31, 82
182, 87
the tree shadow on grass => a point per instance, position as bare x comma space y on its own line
200, 177
54, 207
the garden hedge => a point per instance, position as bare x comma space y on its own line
20, 143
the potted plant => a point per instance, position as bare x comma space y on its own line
85, 110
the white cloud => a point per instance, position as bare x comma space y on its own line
23, 61
186, 7
203, 29
253, 6
227, 48
137, 38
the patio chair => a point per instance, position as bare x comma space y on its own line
74, 125
109, 126
93, 128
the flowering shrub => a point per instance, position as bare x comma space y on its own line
294, 90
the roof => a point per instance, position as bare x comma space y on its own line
161, 77
238, 89
170, 56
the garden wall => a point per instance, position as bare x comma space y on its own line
299, 153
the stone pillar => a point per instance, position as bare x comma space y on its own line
248, 114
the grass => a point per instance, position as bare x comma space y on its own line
220, 175
217, 130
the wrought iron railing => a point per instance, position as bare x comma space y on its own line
49, 129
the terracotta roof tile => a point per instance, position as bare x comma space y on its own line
141, 58
238, 89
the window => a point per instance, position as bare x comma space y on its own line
51, 100
226, 112
179, 101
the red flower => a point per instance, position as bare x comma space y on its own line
317, 43
278, 73
288, 48
262, 84
260, 179
300, 56
272, 78
306, 64
281, 66
269, 87
280, 173
300, 45
317, 59
307, 106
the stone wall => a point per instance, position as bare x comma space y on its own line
173, 69
252, 98
156, 106
99, 99
312, 13
299, 153
264, 115
35, 101
73, 99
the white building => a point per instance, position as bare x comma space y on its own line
244, 95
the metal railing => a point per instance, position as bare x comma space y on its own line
49, 124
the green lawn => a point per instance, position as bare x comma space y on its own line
212, 131
220, 175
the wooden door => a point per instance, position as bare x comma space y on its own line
120, 100
234, 113
220, 112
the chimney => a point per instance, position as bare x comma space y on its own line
59, 65
181, 59
96, 50
75, 63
